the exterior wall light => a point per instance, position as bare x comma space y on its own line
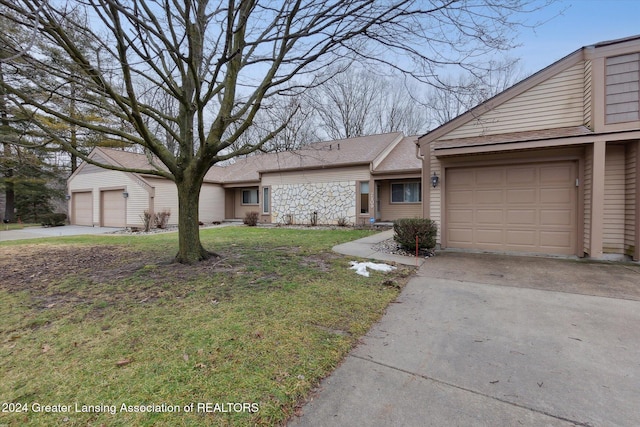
125, 194
434, 180
67, 197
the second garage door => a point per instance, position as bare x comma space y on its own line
113, 208
82, 208
525, 208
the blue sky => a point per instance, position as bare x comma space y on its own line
578, 23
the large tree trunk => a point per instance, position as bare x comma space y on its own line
10, 197
190, 249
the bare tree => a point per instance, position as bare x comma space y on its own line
458, 95
346, 104
231, 57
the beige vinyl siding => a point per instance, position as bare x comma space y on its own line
556, 102
241, 210
631, 192
435, 207
614, 200
211, 203
104, 179
623, 88
587, 94
166, 197
358, 173
88, 168
588, 178
392, 211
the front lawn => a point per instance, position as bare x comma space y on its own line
105, 330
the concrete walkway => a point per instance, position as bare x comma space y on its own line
474, 348
65, 230
363, 248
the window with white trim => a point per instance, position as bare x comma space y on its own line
406, 192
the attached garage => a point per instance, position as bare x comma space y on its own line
82, 208
112, 208
525, 208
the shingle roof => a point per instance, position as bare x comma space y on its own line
402, 157
329, 154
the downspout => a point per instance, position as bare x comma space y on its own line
426, 173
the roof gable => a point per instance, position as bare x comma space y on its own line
521, 100
559, 96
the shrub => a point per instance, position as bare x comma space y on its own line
147, 220
251, 218
313, 218
53, 219
406, 230
162, 219
343, 221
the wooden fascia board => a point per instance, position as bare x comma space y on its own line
508, 94
544, 143
311, 168
241, 184
393, 174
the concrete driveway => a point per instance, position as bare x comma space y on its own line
65, 230
488, 340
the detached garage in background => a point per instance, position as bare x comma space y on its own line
110, 198
549, 166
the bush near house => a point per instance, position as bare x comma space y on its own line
406, 230
53, 219
162, 219
251, 218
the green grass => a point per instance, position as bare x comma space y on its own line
108, 320
16, 226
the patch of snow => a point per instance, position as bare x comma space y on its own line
361, 267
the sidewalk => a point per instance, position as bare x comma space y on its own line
363, 248
65, 230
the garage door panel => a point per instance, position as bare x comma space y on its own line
462, 179
489, 177
524, 195
521, 175
460, 236
488, 197
460, 197
560, 240
528, 208
556, 174
489, 236
464, 216
557, 217
113, 208
556, 195
521, 216
82, 208
489, 216
524, 238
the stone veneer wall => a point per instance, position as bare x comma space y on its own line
332, 200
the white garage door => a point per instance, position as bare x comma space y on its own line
113, 208
82, 208
527, 208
